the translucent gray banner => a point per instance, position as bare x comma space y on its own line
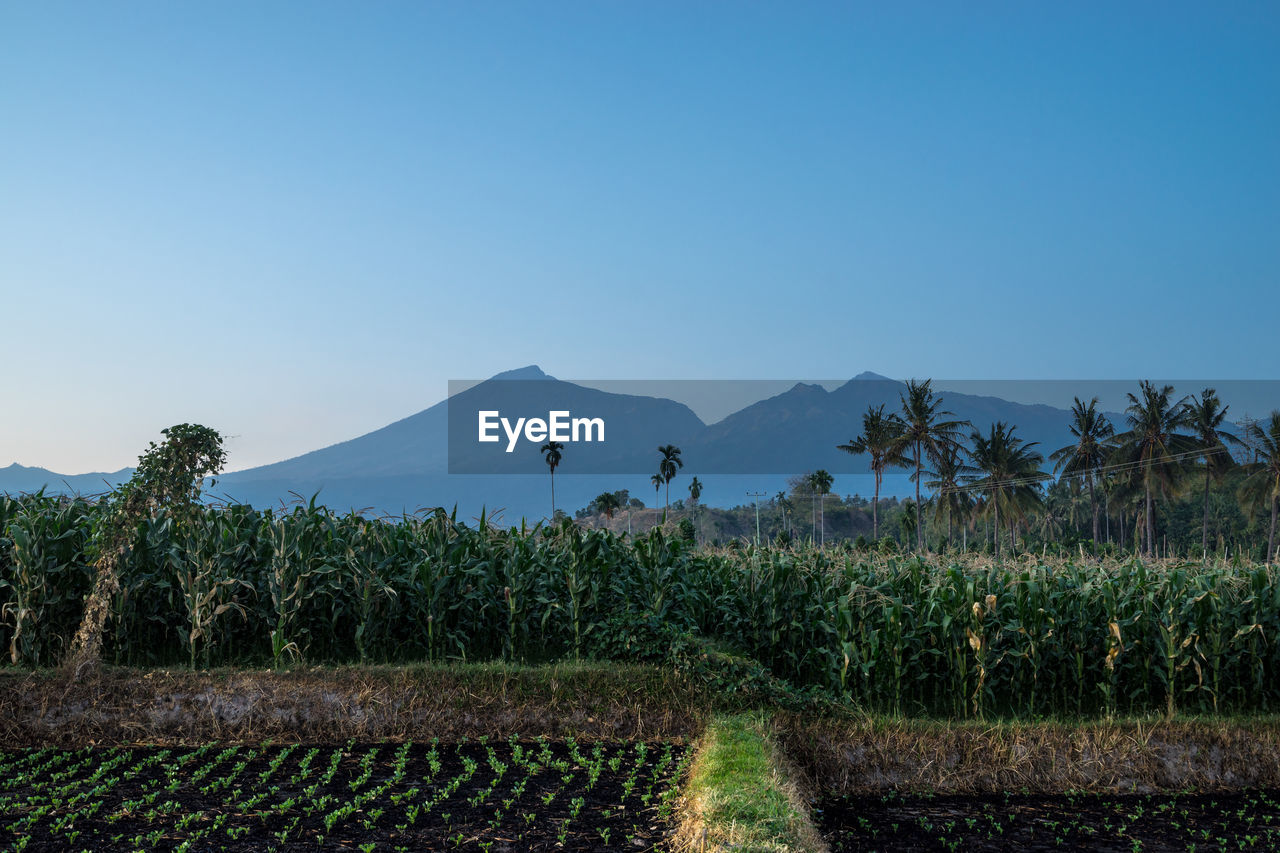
768, 426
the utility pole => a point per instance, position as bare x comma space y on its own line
757, 496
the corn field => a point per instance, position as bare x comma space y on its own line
243, 587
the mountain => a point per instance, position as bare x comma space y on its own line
433, 457
17, 479
799, 429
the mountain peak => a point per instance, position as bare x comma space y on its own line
868, 376
806, 387
530, 372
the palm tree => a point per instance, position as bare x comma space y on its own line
695, 490
821, 482
608, 504
784, 503
1204, 419
924, 433
1153, 447
1092, 431
1263, 483
657, 481
1010, 472
1054, 515
879, 438
552, 451
667, 467
947, 472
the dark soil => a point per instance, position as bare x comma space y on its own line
495, 796
1247, 820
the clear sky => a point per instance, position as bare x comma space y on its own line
294, 222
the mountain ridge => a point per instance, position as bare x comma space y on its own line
408, 462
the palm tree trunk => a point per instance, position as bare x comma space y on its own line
1204, 532
875, 506
553, 495
996, 504
919, 514
1271, 540
1151, 525
1093, 505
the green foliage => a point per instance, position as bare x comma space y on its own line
782, 625
170, 476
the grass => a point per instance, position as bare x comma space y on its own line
854, 754
328, 704
740, 795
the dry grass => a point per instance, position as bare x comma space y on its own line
869, 755
117, 706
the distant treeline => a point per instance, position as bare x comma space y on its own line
1175, 478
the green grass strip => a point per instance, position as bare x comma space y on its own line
739, 795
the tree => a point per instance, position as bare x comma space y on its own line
170, 477
657, 481
553, 455
608, 503
909, 521
948, 472
1092, 431
1204, 417
1008, 470
1262, 485
1153, 448
879, 438
821, 482
924, 433
695, 490
668, 465
784, 503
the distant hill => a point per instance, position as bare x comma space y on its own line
409, 464
17, 479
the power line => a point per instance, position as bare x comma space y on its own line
1113, 468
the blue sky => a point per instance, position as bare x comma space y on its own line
296, 221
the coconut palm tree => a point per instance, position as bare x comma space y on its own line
1092, 431
1008, 470
657, 481
1262, 485
924, 433
667, 467
821, 482
948, 471
551, 450
1153, 448
879, 439
1205, 416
